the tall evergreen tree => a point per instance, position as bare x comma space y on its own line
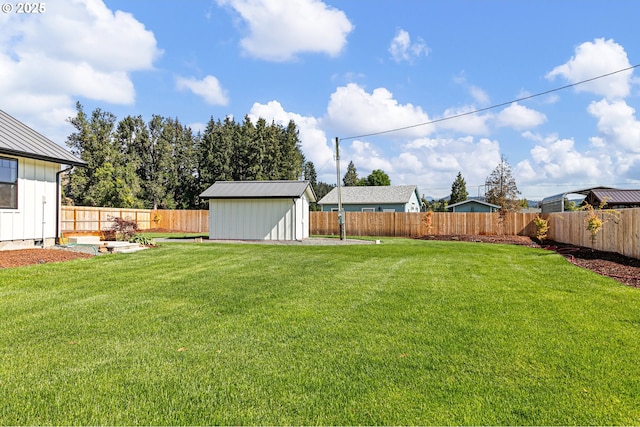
458, 190
99, 184
350, 178
156, 167
215, 152
501, 188
292, 158
184, 182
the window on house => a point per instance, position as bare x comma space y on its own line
368, 209
8, 183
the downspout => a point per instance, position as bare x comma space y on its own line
58, 185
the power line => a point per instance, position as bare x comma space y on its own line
502, 104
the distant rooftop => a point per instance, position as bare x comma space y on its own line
376, 194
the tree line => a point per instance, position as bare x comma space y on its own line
163, 164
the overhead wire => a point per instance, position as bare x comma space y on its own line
480, 110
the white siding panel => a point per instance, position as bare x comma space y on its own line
36, 179
252, 219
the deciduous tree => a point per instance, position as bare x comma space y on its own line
501, 187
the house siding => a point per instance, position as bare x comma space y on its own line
33, 219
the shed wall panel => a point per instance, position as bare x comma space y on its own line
252, 219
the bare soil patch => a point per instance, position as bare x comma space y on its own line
619, 267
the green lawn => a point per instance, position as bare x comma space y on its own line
402, 333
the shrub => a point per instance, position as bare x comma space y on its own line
542, 227
595, 219
143, 240
123, 228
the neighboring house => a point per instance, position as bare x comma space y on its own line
614, 199
473, 205
259, 210
30, 169
397, 198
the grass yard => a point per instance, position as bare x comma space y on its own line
403, 333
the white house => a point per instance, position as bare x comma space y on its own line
30, 169
259, 210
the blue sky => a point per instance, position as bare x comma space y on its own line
351, 68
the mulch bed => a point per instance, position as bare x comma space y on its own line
22, 257
619, 267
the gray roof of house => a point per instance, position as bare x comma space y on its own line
618, 197
258, 190
371, 195
20, 140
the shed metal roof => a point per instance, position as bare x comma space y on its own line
616, 197
368, 195
20, 140
258, 190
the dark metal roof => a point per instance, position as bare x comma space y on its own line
258, 190
614, 197
20, 140
371, 195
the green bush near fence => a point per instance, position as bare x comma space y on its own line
401, 333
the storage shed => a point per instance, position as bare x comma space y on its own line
30, 169
259, 210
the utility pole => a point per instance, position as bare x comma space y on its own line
340, 211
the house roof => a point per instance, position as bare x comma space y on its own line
480, 202
616, 197
371, 195
20, 140
258, 190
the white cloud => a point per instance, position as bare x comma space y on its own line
209, 89
593, 59
465, 121
558, 160
354, 111
442, 158
519, 117
402, 49
619, 129
479, 95
366, 157
281, 29
313, 140
78, 48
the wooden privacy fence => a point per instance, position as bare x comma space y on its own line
92, 219
622, 236
401, 224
